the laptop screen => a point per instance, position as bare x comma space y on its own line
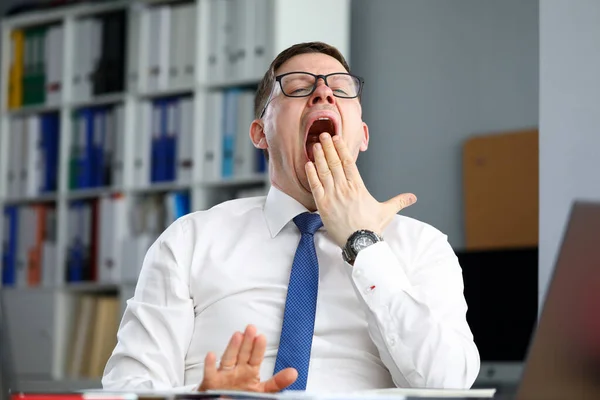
564, 357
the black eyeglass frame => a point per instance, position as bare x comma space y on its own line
278, 78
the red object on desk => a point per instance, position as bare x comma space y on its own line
47, 396
69, 396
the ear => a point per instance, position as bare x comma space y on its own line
365, 140
257, 134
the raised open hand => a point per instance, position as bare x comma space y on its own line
239, 368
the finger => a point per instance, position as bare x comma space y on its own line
247, 344
316, 187
395, 204
230, 356
258, 351
333, 159
348, 162
210, 369
322, 167
280, 380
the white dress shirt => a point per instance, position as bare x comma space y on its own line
395, 318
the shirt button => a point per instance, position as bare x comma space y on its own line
358, 272
392, 341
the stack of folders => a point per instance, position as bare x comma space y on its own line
96, 154
35, 70
171, 55
100, 48
229, 152
165, 139
35, 76
239, 36
108, 238
93, 335
29, 248
164, 142
149, 217
94, 239
33, 159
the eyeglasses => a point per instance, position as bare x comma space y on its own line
303, 84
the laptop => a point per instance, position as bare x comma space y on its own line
563, 361
8, 381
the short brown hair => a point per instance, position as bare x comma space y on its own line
266, 84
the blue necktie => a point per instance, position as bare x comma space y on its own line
301, 304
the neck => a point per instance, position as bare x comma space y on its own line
298, 193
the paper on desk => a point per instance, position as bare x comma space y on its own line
305, 395
376, 394
441, 393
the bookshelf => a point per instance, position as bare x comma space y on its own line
102, 147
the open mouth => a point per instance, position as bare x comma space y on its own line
318, 126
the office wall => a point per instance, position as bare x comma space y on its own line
569, 118
437, 72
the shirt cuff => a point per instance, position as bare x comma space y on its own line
378, 275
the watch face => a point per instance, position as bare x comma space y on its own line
362, 242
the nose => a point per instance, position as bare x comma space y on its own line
322, 94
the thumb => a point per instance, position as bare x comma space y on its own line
280, 381
396, 204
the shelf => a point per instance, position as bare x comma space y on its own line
254, 179
101, 100
167, 93
39, 288
34, 109
195, 112
51, 15
161, 2
47, 17
86, 10
90, 287
42, 198
92, 193
82, 194
162, 187
71, 287
236, 83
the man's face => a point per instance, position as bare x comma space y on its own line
291, 126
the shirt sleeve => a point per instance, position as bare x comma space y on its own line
156, 328
418, 322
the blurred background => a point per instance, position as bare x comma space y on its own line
120, 116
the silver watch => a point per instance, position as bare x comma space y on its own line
356, 242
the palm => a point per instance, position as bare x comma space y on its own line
244, 377
239, 368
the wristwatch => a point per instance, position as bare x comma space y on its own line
356, 242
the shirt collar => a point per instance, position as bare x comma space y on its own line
279, 209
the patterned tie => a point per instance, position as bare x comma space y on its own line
301, 303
